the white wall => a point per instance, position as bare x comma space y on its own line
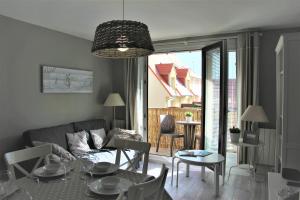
157, 94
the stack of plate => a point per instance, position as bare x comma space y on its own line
51, 170
104, 168
110, 185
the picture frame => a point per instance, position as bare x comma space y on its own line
66, 80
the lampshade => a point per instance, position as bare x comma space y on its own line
122, 39
114, 99
254, 114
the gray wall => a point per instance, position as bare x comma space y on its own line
267, 71
23, 48
119, 84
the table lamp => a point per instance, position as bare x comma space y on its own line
113, 100
253, 114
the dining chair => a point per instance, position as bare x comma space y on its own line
142, 148
13, 159
167, 128
152, 189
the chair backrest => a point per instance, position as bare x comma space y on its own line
13, 158
141, 147
167, 124
152, 189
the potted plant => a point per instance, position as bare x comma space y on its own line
234, 134
188, 116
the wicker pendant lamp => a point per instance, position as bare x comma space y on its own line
122, 39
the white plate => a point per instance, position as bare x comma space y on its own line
113, 168
40, 172
123, 185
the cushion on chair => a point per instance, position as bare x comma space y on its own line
167, 124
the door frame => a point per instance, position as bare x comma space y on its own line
223, 95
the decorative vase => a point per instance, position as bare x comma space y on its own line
234, 137
188, 119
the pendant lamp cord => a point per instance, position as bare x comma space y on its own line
123, 10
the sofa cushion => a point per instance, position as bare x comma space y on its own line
89, 125
98, 137
56, 134
78, 142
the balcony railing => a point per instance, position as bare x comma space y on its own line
178, 113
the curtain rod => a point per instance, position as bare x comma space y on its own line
202, 38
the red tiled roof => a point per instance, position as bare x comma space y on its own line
164, 84
162, 74
164, 69
181, 74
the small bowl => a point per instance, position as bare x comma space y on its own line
52, 168
102, 166
110, 182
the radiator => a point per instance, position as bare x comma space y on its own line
266, 152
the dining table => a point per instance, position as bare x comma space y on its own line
75, 186
189, 132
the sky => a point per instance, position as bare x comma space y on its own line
193, 60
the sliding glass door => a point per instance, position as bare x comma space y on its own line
214, 97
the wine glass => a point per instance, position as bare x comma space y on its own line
66, 165
86, 167
87, 182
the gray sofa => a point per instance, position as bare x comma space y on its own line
57, 135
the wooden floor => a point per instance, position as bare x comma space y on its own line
241, 185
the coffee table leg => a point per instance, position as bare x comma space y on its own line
187, 170
216, 180
223, 171
177, 173
203, 173
172, 170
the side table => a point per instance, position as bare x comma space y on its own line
252, 153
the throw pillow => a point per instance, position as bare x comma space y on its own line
121, 134
78, 142
58, 151
98, 137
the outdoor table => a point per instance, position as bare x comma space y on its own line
189, 132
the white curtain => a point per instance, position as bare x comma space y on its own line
141, 98
247, 77
135, 94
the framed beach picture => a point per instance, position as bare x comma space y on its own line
64, 80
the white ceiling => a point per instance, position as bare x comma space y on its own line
166, 19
